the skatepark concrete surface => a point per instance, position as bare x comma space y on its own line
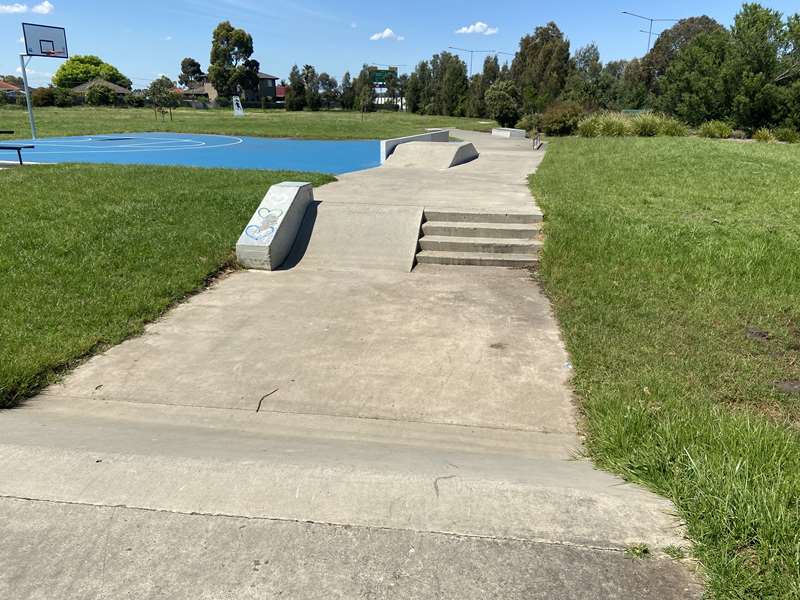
337, 429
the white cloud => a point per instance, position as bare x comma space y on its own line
386, 34
45, 8
478, 27
168, 38
8, 9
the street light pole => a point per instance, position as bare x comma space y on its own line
651, 21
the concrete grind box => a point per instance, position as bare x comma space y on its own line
269, 236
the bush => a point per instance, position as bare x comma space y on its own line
590, 126
223, 102
715, 130
503, 103
43, 96
673, 128
562, 119
529, 123
100, 95
606, 124
787, 134
135, 100
63, 97
646, 125
764, 136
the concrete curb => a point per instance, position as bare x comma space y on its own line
388, 146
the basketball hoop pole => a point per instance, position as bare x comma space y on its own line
24, 64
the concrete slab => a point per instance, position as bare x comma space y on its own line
77, 552
432, 346
344, 236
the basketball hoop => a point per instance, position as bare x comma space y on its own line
40, 40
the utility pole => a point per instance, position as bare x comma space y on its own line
471, 55
651, 21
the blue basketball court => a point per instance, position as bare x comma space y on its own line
207, 151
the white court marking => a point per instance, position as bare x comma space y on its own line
141, 144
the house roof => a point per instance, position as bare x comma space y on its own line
267, 76
84, 87
8, 87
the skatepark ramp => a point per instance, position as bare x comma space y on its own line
432, 155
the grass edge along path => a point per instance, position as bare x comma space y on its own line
673, 266
92, 253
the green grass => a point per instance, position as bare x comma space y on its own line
272, 123
674, 268
90, 253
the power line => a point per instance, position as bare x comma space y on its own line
651, 20
472, 54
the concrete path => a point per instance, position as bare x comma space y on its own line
331, 431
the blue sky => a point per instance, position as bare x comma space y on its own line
148, 37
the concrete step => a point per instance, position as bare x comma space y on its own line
482, 216
524, 231
445, 243
484, 259
307, 468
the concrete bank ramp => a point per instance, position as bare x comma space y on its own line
341, 236
432, 155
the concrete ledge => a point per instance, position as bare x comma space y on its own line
269, 236
510, 133
432, 155
435, 135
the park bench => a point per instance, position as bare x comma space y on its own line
19, 148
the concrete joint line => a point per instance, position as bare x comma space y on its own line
539, 542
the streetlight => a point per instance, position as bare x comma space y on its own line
650, 32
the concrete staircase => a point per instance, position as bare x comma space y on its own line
480, 238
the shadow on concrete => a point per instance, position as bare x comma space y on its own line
303, 238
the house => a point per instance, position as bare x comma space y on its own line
120, 91
202, 93
10, 90
267, 87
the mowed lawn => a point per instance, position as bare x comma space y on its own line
53, 122
674, 267
90, 253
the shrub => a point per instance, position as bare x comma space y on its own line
787, 134
562, 119
739, 134
715, 130
3, 99
764, 135
135, 100
529, 123
223, 102
614, 125
100, 95
646, 125
63, 97
43, 96
672, 127
590, 126
503, 103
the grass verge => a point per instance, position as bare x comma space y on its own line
674, 268
53, 122
90, 253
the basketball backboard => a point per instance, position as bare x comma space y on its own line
43, 40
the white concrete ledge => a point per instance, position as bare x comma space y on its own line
510, 133
269, 236
435, 135
432, 155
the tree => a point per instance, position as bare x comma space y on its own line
43, 96
231, 70
329, 88
82, 68
13, 80
414, 93
585, 82
348, 99
391, 87
503, 103
451, 84
162, 95
669, 44
311, 82
296, 91
100, 95
541, 66
364, 91
191, 73
692, 87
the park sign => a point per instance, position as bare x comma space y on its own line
379, 76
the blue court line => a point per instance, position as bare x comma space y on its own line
206, 151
